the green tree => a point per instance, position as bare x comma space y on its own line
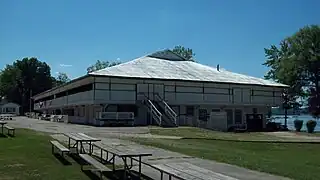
61, 79
314, 103
23, 79
101, 65
186, 53
296, 62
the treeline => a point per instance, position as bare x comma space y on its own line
24, 78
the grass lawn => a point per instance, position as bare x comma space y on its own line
191, 132
297, 161
28, 156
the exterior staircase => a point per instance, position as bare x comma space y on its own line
168, 114
160, 111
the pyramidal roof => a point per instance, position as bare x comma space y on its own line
169, 66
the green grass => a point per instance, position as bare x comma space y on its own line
297, 161
28, 156
191, 132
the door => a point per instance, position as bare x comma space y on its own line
237, 95
151, 91
142, 89
254, 122
238, 116
159, 89
229, 116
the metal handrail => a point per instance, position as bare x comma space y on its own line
153, 109
168, 109
158, 114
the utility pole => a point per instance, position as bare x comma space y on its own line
286, 106
30, 100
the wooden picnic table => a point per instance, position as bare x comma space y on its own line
187, 171
123, 153
80, 138
2, 123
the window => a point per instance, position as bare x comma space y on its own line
190, 110
238, 116
203, 115
10, 110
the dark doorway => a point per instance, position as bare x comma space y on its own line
254, 122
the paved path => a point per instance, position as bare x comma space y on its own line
295, 136
110, 135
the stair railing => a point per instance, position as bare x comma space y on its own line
155, 113
167, 109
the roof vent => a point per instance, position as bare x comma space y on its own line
218, 67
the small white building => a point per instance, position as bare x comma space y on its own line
162, 88
9, 108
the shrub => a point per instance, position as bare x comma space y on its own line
298, 124
311, 124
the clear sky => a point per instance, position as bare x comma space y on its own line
72, 34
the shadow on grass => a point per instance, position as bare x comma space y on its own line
62, 159
11, 135
3, 136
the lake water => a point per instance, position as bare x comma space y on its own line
290, 123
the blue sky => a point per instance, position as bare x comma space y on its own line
72, 34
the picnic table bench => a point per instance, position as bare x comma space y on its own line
124, 154
187, 171
6, 117
10, 129
93, 162
60, 147
2, 123
80, 138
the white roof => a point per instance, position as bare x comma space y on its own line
169, 66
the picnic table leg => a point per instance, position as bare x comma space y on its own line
139, 167
52, 148
77, 143
81, 147
125, 167
69, 143
90, 152
113, 162
101, 155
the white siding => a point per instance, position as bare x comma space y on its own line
123, 96
124, 87
103, 95
216, 90
189, 89
237, 95
246, 96
102, 86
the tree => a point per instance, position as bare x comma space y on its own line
314, 103
296, 62
186, 53
24, 78
101, 65
61, 79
